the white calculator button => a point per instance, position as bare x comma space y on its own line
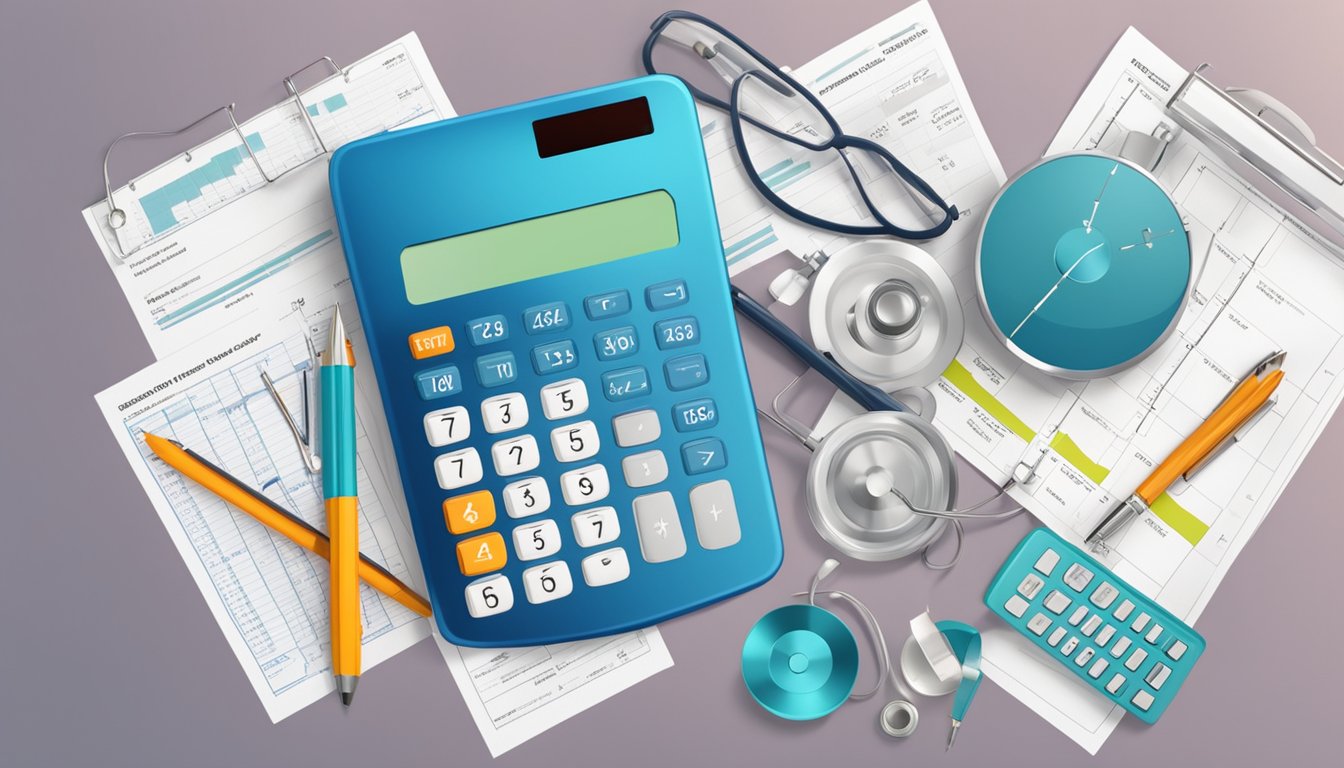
1084, 656
606, 567
1177, 650
1077, 616
1016, 606
1158, 676
1047, 561
457, 469
515, 455
1140, 622
575, 442
596, 526
1056, 602
1069, 646
536, 540
502, 413
1136, 660
1056, 636
1077, 577
1039, 623
643, 469
636, 428
526, 497
447, 425
544, 583
1090, 626
489, 596
564, 399
1120, 647
1105, 635
1153, 634
1098, 668
1143, 700
585, 485
1030, 586
1104, 595
1116, 683
1124, 610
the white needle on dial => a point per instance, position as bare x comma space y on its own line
1087, 225
1054, 288
1148, 238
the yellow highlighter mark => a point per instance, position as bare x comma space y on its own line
958, 376
1064, 446
1191, 528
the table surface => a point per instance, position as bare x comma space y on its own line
109, 654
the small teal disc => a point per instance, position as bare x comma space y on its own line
800, 662
1083, 265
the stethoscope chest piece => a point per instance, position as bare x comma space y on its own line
800, 662
887, 312
854, 472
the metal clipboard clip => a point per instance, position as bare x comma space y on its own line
1248, 126
303, 434
117, 217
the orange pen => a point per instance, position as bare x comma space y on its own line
339, 488
1246, 400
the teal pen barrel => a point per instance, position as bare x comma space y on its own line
338, 431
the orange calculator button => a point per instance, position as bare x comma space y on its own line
431, 342
469, 512
481, 554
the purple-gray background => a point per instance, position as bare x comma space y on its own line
108, 654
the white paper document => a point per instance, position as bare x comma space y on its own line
1269, 284
269, 596
208, 239
516, 693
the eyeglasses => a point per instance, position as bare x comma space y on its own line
791, 147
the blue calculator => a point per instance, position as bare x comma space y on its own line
1101, 629
546, 301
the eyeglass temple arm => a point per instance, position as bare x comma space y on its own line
723, 59
865, 394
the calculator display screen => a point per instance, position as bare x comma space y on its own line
546, 245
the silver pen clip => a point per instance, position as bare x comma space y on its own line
302, 434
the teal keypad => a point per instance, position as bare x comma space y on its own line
616, 343
695, 415
497, 369
677, 332
554, 357
665, 295
488, 330
545, 318
604, 305
625, 383
438, 382
686, 372
703, 456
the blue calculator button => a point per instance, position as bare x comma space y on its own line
556, 356
625, 383
609, 304
616, 343
677, 332
694, 415
685, 372
496, 369
666, 295
545, 318
439, 382
703, 456
488, 330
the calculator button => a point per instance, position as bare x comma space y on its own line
677, 332
1030, 586
694, 415
544, 583
1136, 659
1116, 685
685, 372
1142, 699
447, 425
1158, 675
1091, 625
1078, 615
659, 526
515, 455
458, 469
1176, 650
536, 540
616, 343
1104, 595
1122, 612
575, 442
703, 456
438, 382
715, 515
1098, 668
666, 295
636, 428
469, 512
431, 342
1077, 577
502, 413
1120, 646
606, 567
609, 304
1105, 635
1056, 636
488, 330
1069, 646
1140, 622
1154, 634
527, 497
1047, 561
644, 469
1056, 602
489, 596
494, 370
481, 554
545, 318
585, 485
554, 357
564, 399
595, 526
1016, 606
1038, 624
625, 383
1084, 656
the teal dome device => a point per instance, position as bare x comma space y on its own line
1083, 265
800, 662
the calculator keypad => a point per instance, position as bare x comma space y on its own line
553, 495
